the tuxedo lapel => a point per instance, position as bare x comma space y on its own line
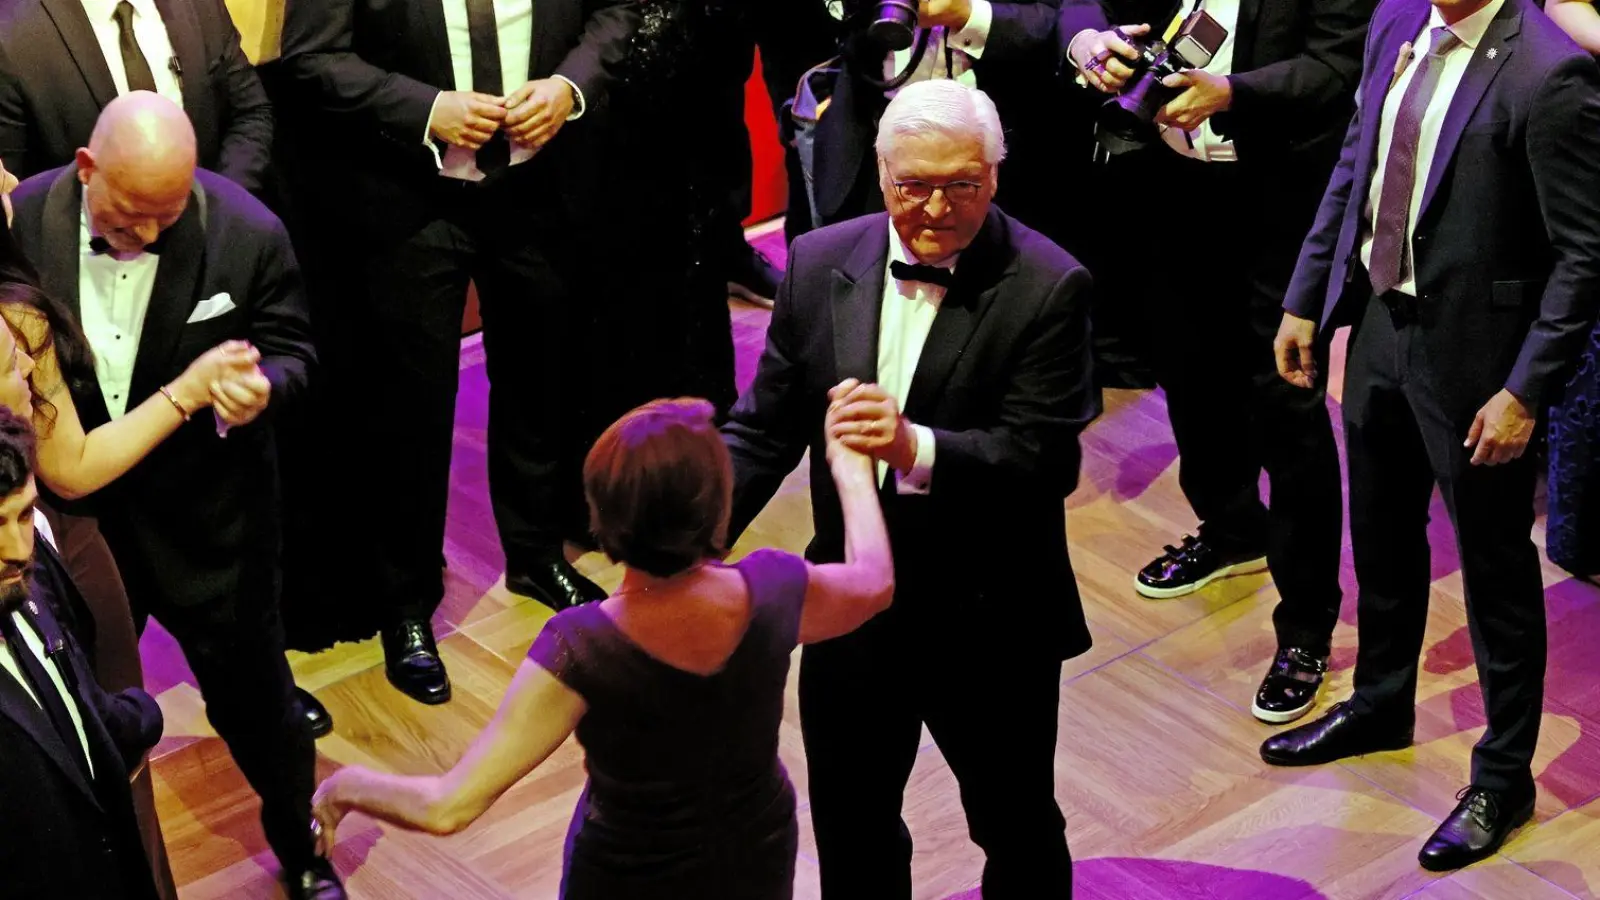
437, 39
84, 48
62, 229
1376, 91
977, 271
19, 706
1244, 35
1490, 55
857, 301
172, 300
188, 47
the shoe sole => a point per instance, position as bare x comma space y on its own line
1248, 567
1300, 762
1489, 851
749, 296
1283, 718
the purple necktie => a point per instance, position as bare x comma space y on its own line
1390, 249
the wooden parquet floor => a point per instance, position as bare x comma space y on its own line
1157, 769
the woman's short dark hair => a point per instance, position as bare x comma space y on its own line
660, 483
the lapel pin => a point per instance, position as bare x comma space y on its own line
1493, 52
33, 607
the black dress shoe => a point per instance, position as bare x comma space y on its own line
1291, 686
557, 585
411, 660
1192, 565
1480, 823
316, 715
1340, 734
317, 882
752, 277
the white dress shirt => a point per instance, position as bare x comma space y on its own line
948, 55
1469, 32
514, 19
35, 645
1204, 143
909, 308
150, 33
113, 297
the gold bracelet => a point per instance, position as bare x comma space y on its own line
167, 393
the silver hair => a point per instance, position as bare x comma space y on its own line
944, 107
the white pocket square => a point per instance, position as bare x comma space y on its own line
210, 309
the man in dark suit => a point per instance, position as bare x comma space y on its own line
62, 61
69, 828
452, 138
1243, 150
1006, 48
975, 327
1461, 236
191, 260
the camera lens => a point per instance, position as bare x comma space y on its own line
895, 25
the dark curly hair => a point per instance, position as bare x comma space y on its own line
40, 323
16, 452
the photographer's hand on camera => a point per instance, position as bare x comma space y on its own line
952, 14
1204, 96
1098, 55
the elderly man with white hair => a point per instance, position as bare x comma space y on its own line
954, 342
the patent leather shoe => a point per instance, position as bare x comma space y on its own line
317, 881
1340, 734
1480, 824
411, 660
557, 585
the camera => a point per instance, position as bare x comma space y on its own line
894, 23
1127, 121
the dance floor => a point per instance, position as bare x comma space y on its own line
1157, 770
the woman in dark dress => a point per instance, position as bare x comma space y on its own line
674, 684
1572, 532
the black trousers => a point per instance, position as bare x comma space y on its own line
864, 698
235, 649
513, 244
1211, 290
1401, 442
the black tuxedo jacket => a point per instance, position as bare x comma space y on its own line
368, 72
197, 520
1507, 243
54, 82
1016, 71
63, 835
1004, 383
1295, 62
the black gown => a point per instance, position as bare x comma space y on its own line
1573, 530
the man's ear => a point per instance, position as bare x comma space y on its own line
85, 160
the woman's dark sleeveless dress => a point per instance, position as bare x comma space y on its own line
686, 796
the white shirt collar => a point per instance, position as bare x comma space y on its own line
1469, 31
105, 10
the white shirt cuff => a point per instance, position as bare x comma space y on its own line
578, 103
971, 39
427, 134
920, 478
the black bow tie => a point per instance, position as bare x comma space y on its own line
922, 272
98, 244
